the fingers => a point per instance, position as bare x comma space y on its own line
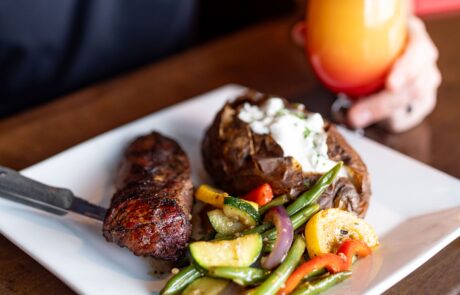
298, 34
399, 110
376, 107
420, 50
419, 33
411, 86
423, 93
401, 120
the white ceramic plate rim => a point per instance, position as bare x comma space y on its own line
440, 219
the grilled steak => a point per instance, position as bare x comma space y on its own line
150, 211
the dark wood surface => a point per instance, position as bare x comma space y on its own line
261, 57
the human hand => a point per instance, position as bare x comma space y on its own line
410, 90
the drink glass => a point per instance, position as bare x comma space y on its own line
352, 44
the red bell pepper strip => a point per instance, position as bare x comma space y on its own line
260, 195
332, 262
351, 248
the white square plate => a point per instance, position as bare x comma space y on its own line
414, 208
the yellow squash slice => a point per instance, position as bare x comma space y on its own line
210, 195
327, 229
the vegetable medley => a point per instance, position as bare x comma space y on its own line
269, 245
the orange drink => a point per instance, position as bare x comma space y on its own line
352, 44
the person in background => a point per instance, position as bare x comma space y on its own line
51, 47
411, 86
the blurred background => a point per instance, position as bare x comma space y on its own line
49, 48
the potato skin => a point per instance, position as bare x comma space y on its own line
239, 160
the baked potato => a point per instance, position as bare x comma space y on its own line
239, 159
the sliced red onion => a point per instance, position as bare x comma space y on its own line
284, 236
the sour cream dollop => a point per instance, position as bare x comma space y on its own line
301, 136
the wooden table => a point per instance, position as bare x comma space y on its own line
261, 57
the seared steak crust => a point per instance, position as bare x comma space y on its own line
150, 211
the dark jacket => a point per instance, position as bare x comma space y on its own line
49, 47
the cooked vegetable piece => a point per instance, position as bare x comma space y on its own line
315, 273
321, 285
181, 280
260, 195
236, 157
278, 201
332, 262
243, 276
206, 286
301, 217
255, 230
352, 248
241, 210
210, 195
258, 229
253, 204
284, 236
327, 229
219, 236
282, 272
223, 224
298, 219
242, 251
268, 246
315, 192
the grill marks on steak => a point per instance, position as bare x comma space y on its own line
150, 211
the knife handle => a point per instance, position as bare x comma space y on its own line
19, 188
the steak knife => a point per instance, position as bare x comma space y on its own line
59, 201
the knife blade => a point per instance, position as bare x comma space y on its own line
59, 201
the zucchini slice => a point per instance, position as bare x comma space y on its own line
206, 286
241, 210
224, 224
242, 251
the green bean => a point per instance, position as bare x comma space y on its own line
243, 276
258, 229
268, 246
277, 278
321, 285
220, 236
278, 201
304, 199
301, 217
315, 192
298, 219
315, 273
181, 280
255, 230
